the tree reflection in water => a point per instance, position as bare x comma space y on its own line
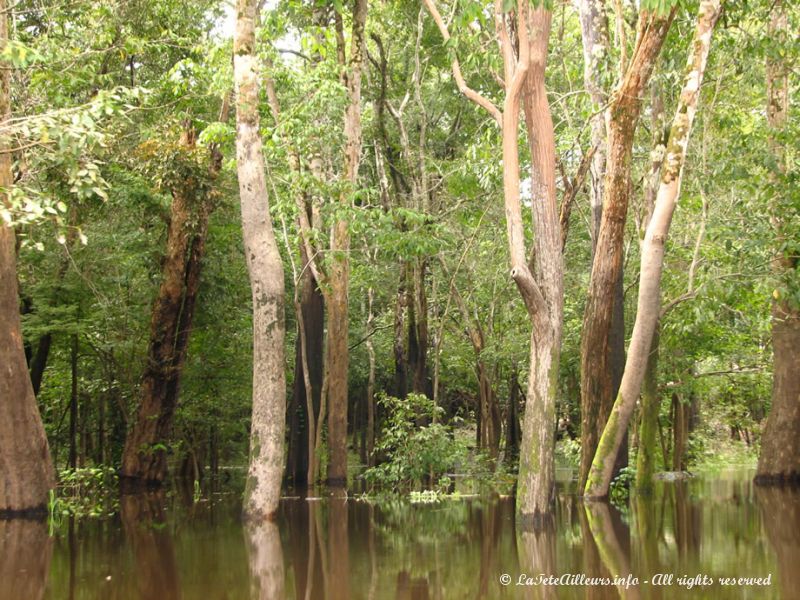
25, 551
148, 533
780, 511
161, 548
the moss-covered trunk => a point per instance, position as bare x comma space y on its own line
648, 427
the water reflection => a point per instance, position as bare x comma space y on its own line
331, 548
266, 560
147, 532
780, 509
25, 551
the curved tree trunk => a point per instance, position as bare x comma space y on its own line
25, 463
652, 260
266, 281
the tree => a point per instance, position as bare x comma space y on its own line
603, 306
144, 456
265, 267
652, 260
779, 461
540, 286
26, 464
338, 324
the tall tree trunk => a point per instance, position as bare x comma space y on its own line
39, 361
144, 459
370, 327
73, 402
540, 286
418, 329
779, 461
488, 413
649, 426
312, 305
338, 322
602, 320
25, 463
537, 468
265, 268
594, 35
652, 260
680, 432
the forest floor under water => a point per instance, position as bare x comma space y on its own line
692, 539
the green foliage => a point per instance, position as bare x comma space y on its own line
85, 492
416, 455
568, 452
620, 490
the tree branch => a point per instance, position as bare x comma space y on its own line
459, 77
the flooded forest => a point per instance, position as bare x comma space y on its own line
399, 299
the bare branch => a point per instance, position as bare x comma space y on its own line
462, 85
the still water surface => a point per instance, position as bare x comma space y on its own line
167, 547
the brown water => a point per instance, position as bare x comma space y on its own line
166, 547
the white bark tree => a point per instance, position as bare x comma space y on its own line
266, 280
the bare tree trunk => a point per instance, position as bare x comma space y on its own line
25, 463
144, 456
338, 323
488, 414
538, 429
266, 281
39, 361
652, 261
399, 345
540, 287
418, 330
680, 432
779, 461
595, 409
